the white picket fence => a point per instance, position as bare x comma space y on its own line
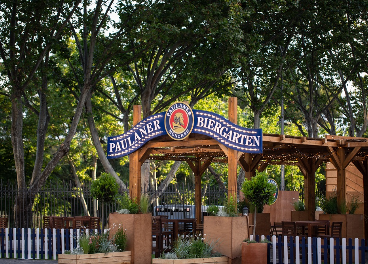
27, 243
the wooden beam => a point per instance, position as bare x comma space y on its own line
350, 157
334, 158
205, 165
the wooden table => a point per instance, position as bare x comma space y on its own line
310, 228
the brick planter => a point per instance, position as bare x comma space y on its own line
98, 258
254, 253
139, 234
227, 232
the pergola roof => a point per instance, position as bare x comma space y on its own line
277, 149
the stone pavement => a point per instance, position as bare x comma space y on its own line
26, 261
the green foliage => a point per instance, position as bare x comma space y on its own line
105, 188
258, 190
212, 210
144, 204
329, 205
134, 207
91, 244
195, 247
299, 206
354, 204
120, 239
230, 206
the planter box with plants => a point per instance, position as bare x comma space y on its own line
191, 250
97, 258
138, 225
227, 230
352, 224
98, 248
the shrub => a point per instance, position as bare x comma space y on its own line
105, 188
212, 210
195, 247
230, 206
299, 206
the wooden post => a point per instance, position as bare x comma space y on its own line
135, 164
341, 178
198, 192
232, 154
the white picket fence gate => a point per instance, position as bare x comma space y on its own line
27, 243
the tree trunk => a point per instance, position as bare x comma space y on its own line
96, 142
166, 182
79, 186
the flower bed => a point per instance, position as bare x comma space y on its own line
97, 258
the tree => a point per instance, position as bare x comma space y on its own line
259, 192
28, 32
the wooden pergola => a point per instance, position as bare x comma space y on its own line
199, 151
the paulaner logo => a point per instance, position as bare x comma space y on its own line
179, 121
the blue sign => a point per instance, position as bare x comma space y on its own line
178, 122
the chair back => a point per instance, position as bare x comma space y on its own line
322, 228
3, 222
58, 222
288, 228
94, 223
336, 228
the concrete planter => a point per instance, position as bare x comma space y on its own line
138, 228
254, 253
98, 258
263, 224
352, 224
217, 260
299, 216
227, 233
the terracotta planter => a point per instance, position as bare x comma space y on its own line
263, 224
352, 224
217, 260
299, 216
138, 228
254, 253
227, 233
98, 258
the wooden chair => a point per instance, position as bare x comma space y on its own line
322, 228
157, 242
58, 222
288, 228
94, 223
336, 228
276, 229
167, 234
46, 222
3, 222
81, 222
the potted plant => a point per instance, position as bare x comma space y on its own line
191, 250
138, 222
258, 192
98, 248
227, 229
352, 224
105, 189
299, 214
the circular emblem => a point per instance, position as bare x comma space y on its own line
179, 121
276, 193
